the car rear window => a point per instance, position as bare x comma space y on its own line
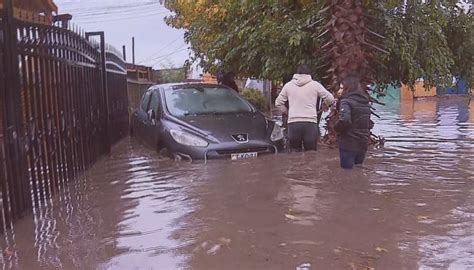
197, 100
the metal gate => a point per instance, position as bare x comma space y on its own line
55, 109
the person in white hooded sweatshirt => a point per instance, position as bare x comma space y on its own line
302, 95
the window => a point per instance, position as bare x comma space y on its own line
145, 101
198, 100
154, 102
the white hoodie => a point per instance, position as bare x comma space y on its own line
302, 94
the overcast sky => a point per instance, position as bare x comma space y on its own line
156, 44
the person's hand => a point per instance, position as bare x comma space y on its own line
325, 107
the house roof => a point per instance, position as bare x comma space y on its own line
39, 6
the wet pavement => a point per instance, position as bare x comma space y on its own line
410, 207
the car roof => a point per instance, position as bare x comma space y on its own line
170, 85
198, 84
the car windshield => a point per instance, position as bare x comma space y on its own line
200, 100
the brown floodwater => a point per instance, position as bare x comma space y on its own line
411, 206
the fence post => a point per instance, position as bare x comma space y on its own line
18, 185
103, 58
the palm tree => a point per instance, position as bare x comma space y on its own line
350, 48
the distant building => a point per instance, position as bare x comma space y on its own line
196, 73
139, 79
37, 11
419, 91
458, 87
139, 73
208, 78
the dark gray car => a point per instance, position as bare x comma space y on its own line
203, 121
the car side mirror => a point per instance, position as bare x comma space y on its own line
151, 114
152, 117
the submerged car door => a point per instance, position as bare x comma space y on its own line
141, 116
153, 124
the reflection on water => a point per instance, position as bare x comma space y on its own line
411, 206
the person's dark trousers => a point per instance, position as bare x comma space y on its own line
303, 135
351, 158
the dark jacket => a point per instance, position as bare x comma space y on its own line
228, 80
354, 122
231, 83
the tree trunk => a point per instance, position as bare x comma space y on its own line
349, 50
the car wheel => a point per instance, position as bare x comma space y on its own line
177, 158
182, 158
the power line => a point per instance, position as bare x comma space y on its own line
136, 9
106, 16
165, 55
159, 50
122, 19
161, 59
108, 7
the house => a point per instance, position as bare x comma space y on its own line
139, 79
36, 11
459, 87
209, 78
419, 91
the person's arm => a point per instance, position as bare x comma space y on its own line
345, 120
327, 97
281, 100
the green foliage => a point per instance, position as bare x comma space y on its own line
425, 40
255, 97
170, 74
263, 39
268, 39
459, 31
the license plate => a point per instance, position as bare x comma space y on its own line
244, 155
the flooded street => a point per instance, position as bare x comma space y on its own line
410, 207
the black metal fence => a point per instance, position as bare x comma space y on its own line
118, 95
59, 110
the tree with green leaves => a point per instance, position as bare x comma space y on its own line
403, 39
385, 42
169, 73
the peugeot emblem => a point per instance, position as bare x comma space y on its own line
240, 138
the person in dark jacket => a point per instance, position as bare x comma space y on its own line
354, 124
229, 80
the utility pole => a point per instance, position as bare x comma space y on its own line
124, 52
133, 50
